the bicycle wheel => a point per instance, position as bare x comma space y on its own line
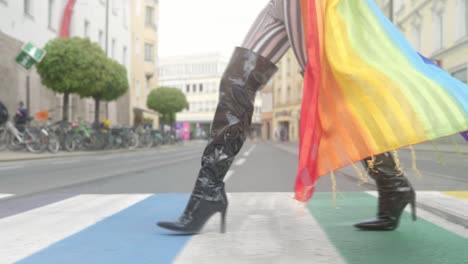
132, 141
3, 138
70, 142
54, 144
34, 141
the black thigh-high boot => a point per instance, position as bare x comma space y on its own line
245, 74
395, 192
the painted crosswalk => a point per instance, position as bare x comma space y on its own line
262, 228
5, 195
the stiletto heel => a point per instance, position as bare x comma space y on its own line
413, 210
223, 221
395, 193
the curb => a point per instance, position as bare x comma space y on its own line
41, 156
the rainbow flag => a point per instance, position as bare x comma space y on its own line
367, 91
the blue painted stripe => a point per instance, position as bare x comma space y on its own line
457, 89
129, 236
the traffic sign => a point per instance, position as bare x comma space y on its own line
29, 56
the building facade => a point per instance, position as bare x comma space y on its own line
38, 21
198, 77
437, 29
132, 109
287, 98
266, 95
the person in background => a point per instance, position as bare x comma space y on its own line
21, 116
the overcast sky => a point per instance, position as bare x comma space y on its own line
204, 26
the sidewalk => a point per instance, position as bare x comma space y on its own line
25, 155
293, 147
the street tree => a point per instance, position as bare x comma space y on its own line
72, 66
167, 101
115, 84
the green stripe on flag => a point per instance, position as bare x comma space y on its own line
413, 242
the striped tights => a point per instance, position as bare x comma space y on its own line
277, 28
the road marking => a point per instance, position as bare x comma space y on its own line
27, 233
440, 200
284, 233
10, 168
228, 175
240, 162
247, 153
459, 194
417, 242
5, 195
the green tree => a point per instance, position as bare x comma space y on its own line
72, 66
167, 101
115, 84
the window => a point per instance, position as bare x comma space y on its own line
101, 39
438, 26
86, 29
416, 32
138, 8
194, 88
200, 87
462, 18
28, 8
113, 49
124, 56
187, 88
149, 52
115, 7
137, 45
462, 75
124, 14
148, 87
138, 90
149, 17
50, 18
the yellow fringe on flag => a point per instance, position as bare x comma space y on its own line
413, 161
457, 146
362, 178
333, 179
439, 155
398, 163
371, 164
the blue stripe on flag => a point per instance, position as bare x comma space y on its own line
129, 236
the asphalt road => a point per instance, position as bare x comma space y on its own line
100, 208
258, 168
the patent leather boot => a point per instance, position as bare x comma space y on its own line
394, 190
245, 74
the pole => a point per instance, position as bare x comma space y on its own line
28, 93
107, 46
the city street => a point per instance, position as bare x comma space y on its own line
102, 208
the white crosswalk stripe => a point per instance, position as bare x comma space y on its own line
29, 232
5, 195
261, 228
273, 227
